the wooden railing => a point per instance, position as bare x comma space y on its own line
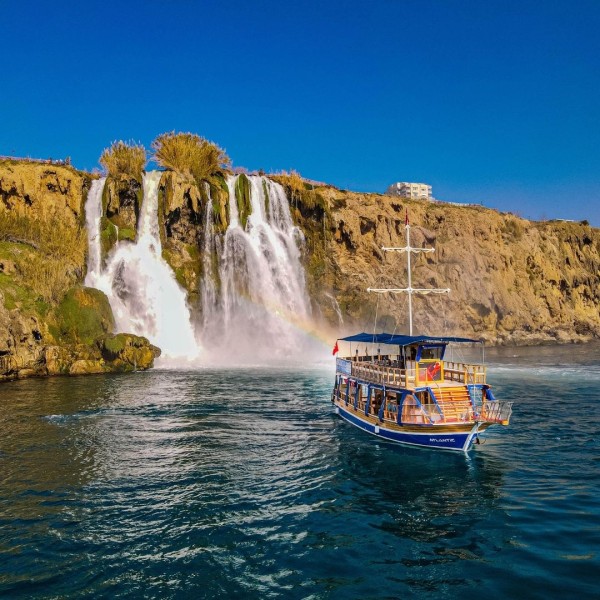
464, 373
391, 375
380, 374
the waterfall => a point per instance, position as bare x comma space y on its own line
93, 216
336, 307
254, 303
141, 287
258, 309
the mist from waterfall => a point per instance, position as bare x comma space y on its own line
145, 297
256, 308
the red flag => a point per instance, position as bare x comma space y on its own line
406, 220
335, 348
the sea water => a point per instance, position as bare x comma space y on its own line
243, 483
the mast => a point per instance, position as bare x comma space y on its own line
409, 290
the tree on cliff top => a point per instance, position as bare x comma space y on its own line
124, 159
189, 154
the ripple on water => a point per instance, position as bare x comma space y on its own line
243, 484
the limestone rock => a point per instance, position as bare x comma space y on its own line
123, 200
58, 360
511, 280
42, 191
126, 352
85, 367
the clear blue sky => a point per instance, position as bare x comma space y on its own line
488, 101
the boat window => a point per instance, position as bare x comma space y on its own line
430, 352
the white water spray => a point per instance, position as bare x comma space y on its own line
93, 216
259, 309
141, 287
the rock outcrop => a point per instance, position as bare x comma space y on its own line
49, 323
511, 280
183, 205
121, 203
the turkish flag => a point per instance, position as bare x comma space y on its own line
335, 348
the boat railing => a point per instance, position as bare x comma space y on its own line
494, 411
387, 373
464, 372
382, 374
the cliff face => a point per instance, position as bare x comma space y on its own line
511, 280
49, 324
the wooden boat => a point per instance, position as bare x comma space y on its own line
412, 392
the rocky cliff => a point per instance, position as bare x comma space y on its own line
511, 280
49, 323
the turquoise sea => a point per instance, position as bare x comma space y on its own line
244, 484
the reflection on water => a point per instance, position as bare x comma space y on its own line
243, 483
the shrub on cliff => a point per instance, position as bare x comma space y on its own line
124, 159
189, 154
293, 181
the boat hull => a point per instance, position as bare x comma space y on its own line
453, 438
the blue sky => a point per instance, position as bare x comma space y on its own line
490, 102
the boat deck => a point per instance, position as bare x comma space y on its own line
414, 374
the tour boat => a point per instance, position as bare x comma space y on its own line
410, 389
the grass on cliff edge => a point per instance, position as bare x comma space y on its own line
48, 256
124, 159
189, 154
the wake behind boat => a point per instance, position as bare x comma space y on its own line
411, 392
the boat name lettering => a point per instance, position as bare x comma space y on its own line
439, 440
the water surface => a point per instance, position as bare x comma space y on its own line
243, 483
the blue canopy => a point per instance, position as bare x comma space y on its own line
401, 340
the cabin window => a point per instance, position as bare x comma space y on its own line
430, 352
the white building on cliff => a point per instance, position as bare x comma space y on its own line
415, 191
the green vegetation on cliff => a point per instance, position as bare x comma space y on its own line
42, 257
219, 194
190, 155
124, 160
242, 198
127, 352
83, 316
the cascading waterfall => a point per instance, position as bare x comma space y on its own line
258, 309
254, 303
141, 287
93, 216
